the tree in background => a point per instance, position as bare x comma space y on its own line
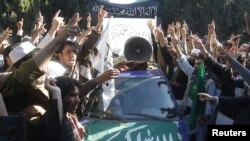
227, 14
13, 10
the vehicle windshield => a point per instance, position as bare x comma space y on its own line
142, 96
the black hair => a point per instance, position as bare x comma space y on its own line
227, 43
240, 59
66, 84
6, 53
200, 57
70, 43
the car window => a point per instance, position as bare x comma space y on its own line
143, 96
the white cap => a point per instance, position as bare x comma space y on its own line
54, 69
195, 51
20, 51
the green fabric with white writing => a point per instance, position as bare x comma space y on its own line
104, 130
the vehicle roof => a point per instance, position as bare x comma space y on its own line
141, 73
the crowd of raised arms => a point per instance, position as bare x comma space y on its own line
48, 76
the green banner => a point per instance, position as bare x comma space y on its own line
106, 130
197, 86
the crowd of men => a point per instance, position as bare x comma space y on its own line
46, 79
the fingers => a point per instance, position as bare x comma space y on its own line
50, 83
112, 73
185, 25
86, 32
40, 17
74, 30
100, 9
107, 75
8, 32
202, 96
89, 18
73, 19
57, 13
101, 14
39, 14
205, 97
150, 25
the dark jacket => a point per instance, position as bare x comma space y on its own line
16, 87
181, 78
237, 108
225, 76
53, 130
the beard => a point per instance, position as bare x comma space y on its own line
68, 107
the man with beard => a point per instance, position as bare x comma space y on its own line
58, 123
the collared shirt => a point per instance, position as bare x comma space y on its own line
185, 66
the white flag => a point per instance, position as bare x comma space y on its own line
103, 62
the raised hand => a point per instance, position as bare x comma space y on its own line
75, 19
183, 33
178, 30
101, 15
160, 36
107, 75
214, 43
178, 26
197, 42
51, 86
20, 25
205, 97
235, 40
190, 44
37, 32
211, 27
6, 34
88, 19
184, 25
39, 20
55, 92
171, 29
82, 36
69, 30
150, 26
159, 33
57, 21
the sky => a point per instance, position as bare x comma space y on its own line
122, 1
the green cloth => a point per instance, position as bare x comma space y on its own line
17, 84
112, 130
197, 86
